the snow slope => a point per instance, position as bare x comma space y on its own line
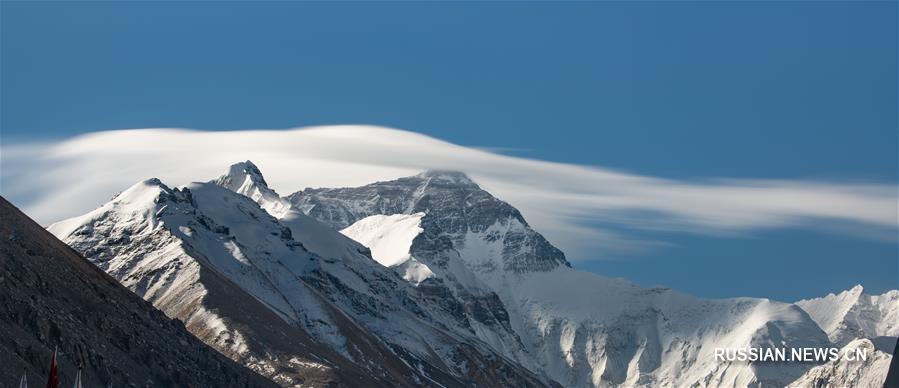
390, 240
854, 314
868, 373
388, 237
221, 281
594, 331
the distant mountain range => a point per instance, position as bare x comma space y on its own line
430, 280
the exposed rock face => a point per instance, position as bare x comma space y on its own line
455, 207
50, 296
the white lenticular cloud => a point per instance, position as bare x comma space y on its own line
584, 210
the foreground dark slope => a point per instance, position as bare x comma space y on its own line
893, 374
49, 296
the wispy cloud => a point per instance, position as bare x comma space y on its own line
503, 150
587, 211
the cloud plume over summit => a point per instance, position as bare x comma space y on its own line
583, 209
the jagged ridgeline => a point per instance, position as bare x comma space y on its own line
250, 285
51, 296
430, 280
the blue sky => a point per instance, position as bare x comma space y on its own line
798, 90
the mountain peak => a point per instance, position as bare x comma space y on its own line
854, 313
246, 179
448, 176
458, 212
239, 173
143, 193
152, 182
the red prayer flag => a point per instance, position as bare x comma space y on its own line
53, 380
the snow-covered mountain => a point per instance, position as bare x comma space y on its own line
456, 208
476, 316
870, 372
579, 328
291, 298
159, 243
430, 281
854, 314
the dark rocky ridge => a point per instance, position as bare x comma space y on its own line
892, 380
50, 295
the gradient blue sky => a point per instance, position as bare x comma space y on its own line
694, 90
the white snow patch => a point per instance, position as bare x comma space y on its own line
390, 239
